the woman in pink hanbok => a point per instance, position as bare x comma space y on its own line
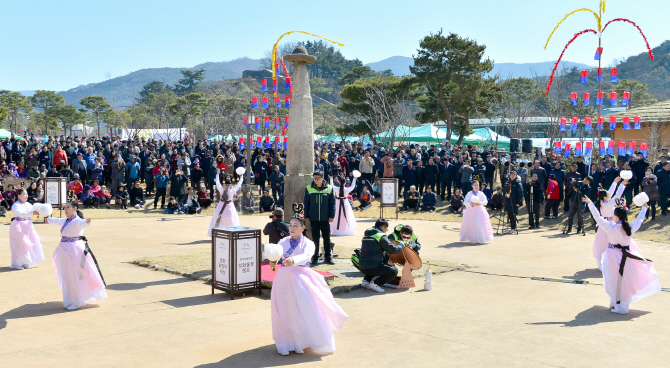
605, 204
24, 243
627, 275
476, 225
225, 213
304, 313
76, 268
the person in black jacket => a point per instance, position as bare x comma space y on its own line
514, 194
580, 189
534, 199
408, 175
261, 171
446, 171
432, 172
373, 261
663, 180
319, 211
277, 229
490, 169
266, 203
420, 174
136, 195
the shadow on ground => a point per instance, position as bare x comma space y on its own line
265, 356
363, 293
141, 285
7, 269
219, 297
206, 241
459, 244
596, 315
590, 273
37, 310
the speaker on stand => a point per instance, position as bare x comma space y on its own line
527, 146
514, 145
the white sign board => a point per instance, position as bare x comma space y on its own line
222, 253
52, 190
389, 192
246, 260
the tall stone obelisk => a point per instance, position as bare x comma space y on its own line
300, 150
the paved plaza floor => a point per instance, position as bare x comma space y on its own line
492, 314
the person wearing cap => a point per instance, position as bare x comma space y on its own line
33, 173
79, 166
136, 195
133, 170
204, 198
88, 198
122, 197
553, 196
319, 202
266, 203
76, 186
196, 175
276, 229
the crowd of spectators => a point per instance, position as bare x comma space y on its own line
110, 171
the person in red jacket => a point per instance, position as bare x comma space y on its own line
60, 156
553, 197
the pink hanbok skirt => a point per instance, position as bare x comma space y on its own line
229, 217
476, 226
304, 313
600, 246
79, 285
639, 278
24, 243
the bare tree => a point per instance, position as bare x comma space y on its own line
391, 112
515, 103
555, 105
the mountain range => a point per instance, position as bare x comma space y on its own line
119, 91
399, 65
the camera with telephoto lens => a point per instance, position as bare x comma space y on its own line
577, 184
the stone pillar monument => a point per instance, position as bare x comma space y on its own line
300, 150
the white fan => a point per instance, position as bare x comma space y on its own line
626, 174
641, 199
356, 174
240, 171
273, 252
45, 210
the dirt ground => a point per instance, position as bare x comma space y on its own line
490, 313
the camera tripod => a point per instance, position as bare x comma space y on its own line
579, 213
503, 219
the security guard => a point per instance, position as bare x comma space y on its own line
405, 234
372, 261
319, 209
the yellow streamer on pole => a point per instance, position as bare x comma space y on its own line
274, 51
598, 18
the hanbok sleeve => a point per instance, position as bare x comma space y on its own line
25, 210
619, 192
466, 201
351, 188
219, 187
81, 224
635, 225
303, 258
482, 199
56, 221
607, 226
237, 186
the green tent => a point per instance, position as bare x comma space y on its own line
4, 133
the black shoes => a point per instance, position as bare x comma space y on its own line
328, 261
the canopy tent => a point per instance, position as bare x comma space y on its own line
490, 138
4, 133
337, 138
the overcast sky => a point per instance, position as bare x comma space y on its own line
58, 45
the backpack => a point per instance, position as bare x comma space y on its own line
355, 258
